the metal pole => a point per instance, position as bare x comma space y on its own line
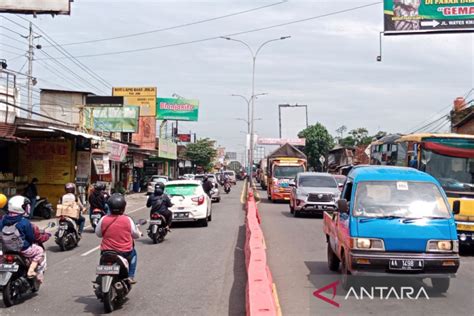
279, 119
30, 71
252, 113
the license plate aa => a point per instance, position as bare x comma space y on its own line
406, 264
155, 222
9, 267
180, 215
94, 216
113, 269
465, 227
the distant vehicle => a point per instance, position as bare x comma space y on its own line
341, 179
262, 177
154, 180
393, 221
232, 176
215, 194
313, 192
190, 202
282, 167
189, 176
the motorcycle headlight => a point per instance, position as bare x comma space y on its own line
442, 246
368, 244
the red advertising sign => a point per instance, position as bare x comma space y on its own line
146, 135
117, 151
185, 138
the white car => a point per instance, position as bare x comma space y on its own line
154, 181
190, 202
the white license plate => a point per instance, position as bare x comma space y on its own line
95, 216
113, 269
9, 267
155, 222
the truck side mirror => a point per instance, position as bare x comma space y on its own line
456, 207
343, 206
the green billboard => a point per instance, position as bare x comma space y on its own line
428, 16
177, 109
112, 119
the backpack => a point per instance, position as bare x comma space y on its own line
12, 240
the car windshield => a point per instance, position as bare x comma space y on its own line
340, 180
229, 173
181, 189
158, 179
287, 172
317, 182
454, 174
400, 199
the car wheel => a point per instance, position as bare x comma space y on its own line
440, 285
204, 222
346, 280
209, 218
292, 209
296, 213
333, 260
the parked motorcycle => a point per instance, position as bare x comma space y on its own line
43, 208
112, 284
227, 186
95, 217
14, 282
157, 230
67, 235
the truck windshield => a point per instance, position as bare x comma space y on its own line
317, 182
287, 172
400, 199
454, 174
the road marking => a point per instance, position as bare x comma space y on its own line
277, 300
242, 200
97, 248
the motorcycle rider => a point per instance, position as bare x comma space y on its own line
207, 185
160, 203
118, 232
98, 199
18, 206
71, 197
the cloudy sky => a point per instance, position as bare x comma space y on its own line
329, 63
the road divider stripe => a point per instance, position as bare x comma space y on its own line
97, 248
261, 296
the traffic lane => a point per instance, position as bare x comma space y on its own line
296, 250
196, 270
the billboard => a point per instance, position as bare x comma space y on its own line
293, 119
281, 141
184, 138
144, 97
167, 149
36, 6
101, 101
425, 16
177, 109
112, 119
146, 135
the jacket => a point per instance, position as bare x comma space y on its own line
24, 227
158, 203
97, 200
117, 232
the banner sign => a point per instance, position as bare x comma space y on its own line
83, 164
138, 160
101, 164
424, 16
146, 135
107, 101
113, 119
282, 141
144, 97
36, 6
177, 109
167, 149
117, 151
185, 138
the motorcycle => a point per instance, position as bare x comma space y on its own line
67, 235
14, 281
42, 208
112, 284
227, 187
157, 230
95, 217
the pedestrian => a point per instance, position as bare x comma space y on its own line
31, 192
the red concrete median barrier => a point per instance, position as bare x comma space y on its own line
260, 299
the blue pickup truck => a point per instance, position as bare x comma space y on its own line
392, 220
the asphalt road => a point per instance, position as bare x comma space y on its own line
195, 271
296, 252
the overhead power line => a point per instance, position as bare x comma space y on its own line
176, 26
13, 39
33, 112
226, 35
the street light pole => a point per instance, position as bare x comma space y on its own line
252, 111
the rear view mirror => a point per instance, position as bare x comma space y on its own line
343, 206
292, 184
456, 207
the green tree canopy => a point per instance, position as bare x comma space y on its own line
202, 153
318, 143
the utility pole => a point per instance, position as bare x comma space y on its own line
30, 70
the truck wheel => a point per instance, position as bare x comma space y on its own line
333, 260
346, 280
440, 285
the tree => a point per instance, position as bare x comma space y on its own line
202, 153
318, 143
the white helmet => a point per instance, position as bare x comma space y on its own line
18, 205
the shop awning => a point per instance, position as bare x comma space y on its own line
77, 133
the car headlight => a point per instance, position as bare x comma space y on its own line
368, 244
442, 246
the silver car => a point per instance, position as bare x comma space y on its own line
313, 192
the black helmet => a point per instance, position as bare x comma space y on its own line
99, 186
205, 177
158, 191
70, 188
160, 185
117, 203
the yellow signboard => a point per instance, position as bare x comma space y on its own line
144, 97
